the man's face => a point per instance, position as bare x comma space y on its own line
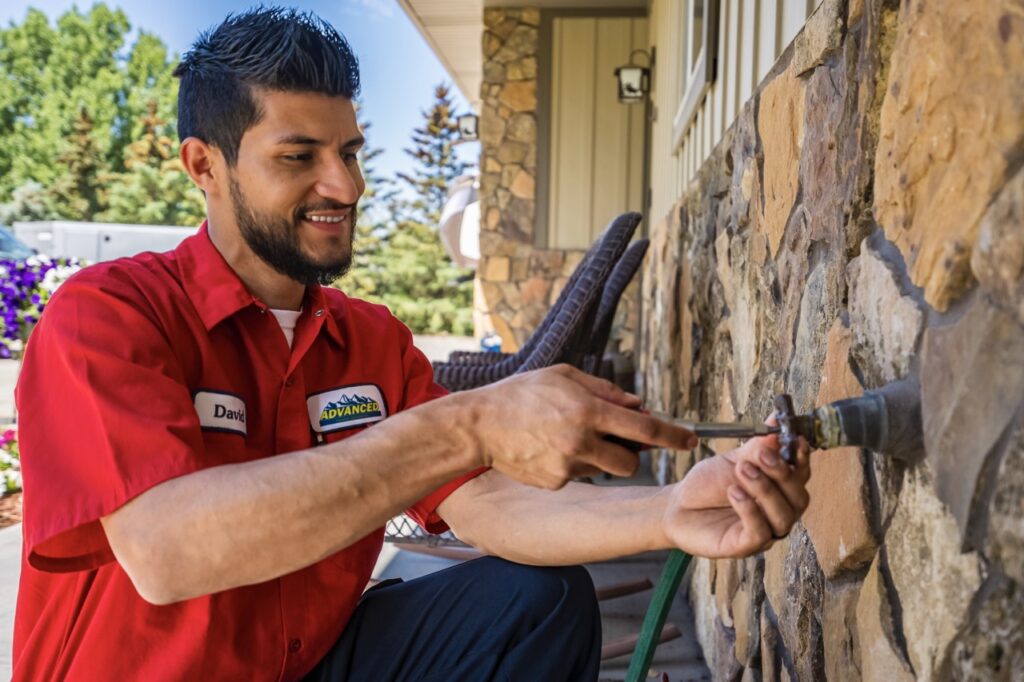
296, 183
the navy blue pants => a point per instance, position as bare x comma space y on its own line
486, 619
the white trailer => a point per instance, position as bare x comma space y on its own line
97, 242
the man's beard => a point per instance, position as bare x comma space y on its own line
275, 241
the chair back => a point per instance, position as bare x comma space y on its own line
621, 276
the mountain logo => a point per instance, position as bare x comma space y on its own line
349, 407
346, 407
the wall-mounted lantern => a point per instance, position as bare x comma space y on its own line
468, 125
634, 80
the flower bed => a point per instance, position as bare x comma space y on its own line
25, 288
10, 464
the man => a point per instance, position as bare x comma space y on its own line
212, 441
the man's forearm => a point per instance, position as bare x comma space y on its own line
247, 523
578, 524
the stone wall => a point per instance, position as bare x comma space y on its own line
516, 281
863, 220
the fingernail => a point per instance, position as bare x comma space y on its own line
769, 458
749, 470
736, 493
692, 443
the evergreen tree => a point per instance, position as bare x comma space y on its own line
436, 163
154, 188
399, 259
77, 192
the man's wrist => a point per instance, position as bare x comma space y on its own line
463, 419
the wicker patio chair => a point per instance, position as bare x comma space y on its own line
565, 337
621, 276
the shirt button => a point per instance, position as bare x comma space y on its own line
295, 646
289, 381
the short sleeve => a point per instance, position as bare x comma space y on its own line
420, 388
104, 415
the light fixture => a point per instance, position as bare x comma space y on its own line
634, 80
468, 127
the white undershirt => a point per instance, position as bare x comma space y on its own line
287, 320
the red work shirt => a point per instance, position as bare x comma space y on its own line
149, 368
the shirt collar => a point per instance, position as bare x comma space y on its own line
217, 292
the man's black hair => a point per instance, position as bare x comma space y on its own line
270, 48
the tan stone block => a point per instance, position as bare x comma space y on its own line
522, 127
838, 626
508, 174
493, 218
935, 579
530, 15
535, 290
503, 196
727, 581
514, 299
494, 75
939, 161
491, 166
509, 344
492, 127
880, 655
523, 69
886, 324
556, 289
780, 125
496, 269
492, 44
519, 95
520, 269
523, 185
837, 518
512, 152
972, 385
504, 27
775, 574
726, 413
821, 36
493, 16
572, 261
492, 294
998, 258
741, 614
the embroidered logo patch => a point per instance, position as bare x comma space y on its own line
345, 407
220, 411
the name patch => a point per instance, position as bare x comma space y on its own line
220, 412
343, 408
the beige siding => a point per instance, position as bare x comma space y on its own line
751, 36
596, 147
666, 32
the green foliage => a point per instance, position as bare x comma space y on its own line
436, 163
87, 133
73, 105
399, 259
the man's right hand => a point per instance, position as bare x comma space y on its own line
544, 427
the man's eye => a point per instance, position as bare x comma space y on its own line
298, 157
350, 158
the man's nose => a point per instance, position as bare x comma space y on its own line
339, 182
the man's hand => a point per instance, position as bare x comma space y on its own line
738, 503
544, 427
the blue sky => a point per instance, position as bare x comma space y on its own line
399, 71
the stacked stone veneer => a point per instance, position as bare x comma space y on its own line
516, 281
863, 220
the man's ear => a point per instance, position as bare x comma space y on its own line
202, 162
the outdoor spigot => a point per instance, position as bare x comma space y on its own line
886, 420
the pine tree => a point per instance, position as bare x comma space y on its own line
436, 163
154, 188
399, 259
77, 193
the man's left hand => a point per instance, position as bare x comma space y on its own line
738, 503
